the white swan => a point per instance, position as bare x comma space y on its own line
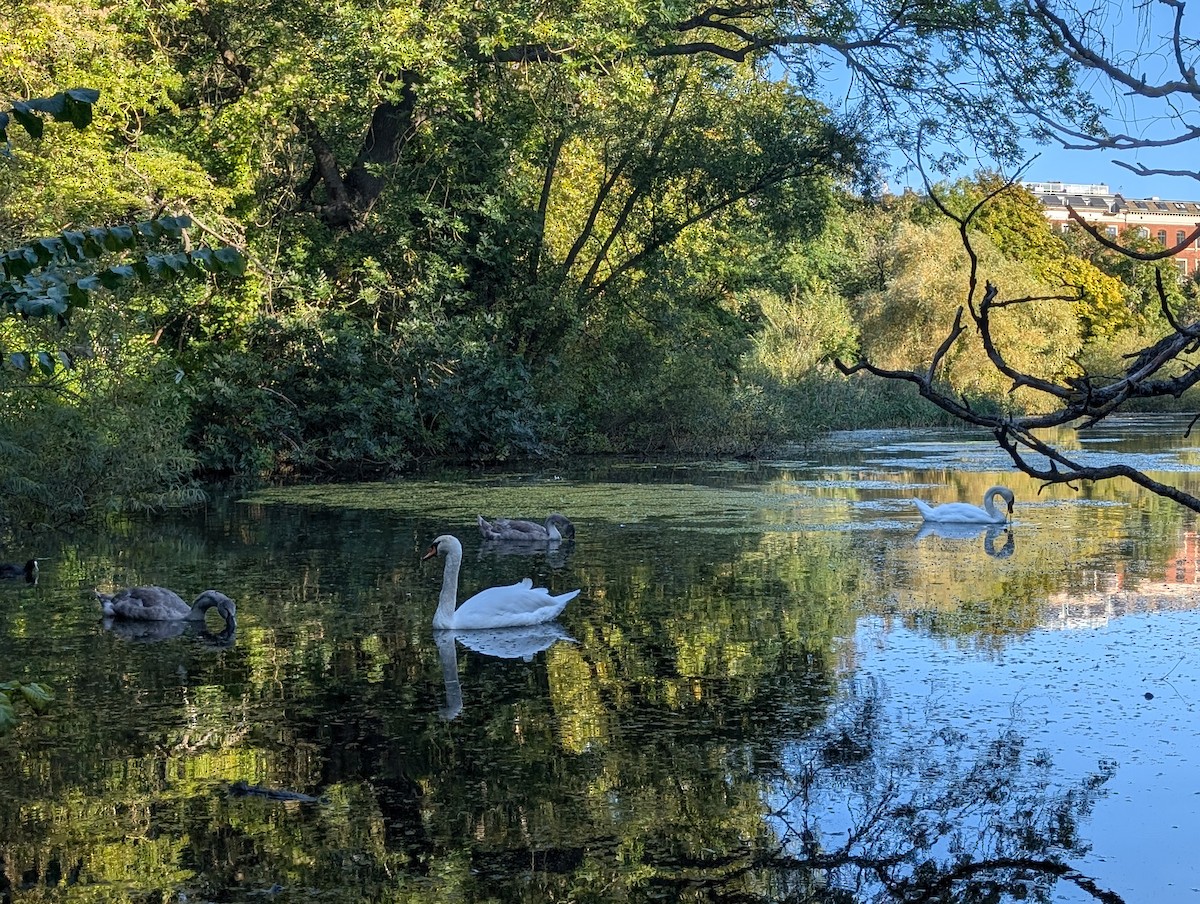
496, 607
557, 527
965, 513
161, 604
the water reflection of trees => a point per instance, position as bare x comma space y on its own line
862, 818
630, 766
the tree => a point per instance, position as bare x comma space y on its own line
1076, 46
445, 180
1074, 398
602, 188
48, 279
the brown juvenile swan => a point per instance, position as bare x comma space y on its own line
557, 527
161, 604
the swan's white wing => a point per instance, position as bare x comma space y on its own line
516, 604
925, 508
958, 513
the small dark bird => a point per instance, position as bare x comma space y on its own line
28, 571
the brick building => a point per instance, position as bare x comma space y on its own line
1167, 222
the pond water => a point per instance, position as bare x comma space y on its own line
773, 686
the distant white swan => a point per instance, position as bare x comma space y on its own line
965, 513
160, 604
496, 607
557, 527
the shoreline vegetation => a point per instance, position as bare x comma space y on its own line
436, 241
319, 394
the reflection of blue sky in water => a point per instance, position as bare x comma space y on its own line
1141, 837
1166, 448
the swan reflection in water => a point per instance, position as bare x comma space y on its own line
504, 643
153, 631
991, 532
556, 552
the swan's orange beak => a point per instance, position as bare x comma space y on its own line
430, 553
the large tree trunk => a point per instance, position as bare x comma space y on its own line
350, 195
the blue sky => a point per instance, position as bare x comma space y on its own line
1093, 166
1054, 164
1137, 37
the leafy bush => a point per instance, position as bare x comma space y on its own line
824, 400
103, 436
326, 392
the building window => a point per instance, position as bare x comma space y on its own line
1162, 237
1112, 233
1180, 237
1064, 228
1143, 232
1182, 265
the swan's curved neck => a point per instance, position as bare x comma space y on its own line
199, 607
448, 598
203, 604
989, 503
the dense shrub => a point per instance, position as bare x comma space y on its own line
104, 436
319, 392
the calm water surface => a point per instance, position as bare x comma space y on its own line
774, 686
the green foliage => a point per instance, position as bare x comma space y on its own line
823, 400
316, 391
51, 276
103, 433
73, 106
904, 324
482, 232
802, 330
1015, 221
37, 697
103, 436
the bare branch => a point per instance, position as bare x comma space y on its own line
1139, 169
1104, 240
1077, 50
1158, 370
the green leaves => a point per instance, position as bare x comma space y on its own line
73, 106
43, 278
37, 697
49, 277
